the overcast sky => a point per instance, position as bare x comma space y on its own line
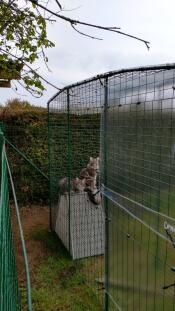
76, 57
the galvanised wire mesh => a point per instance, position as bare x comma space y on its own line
9, 289
74, 138
10, 298
128, 118
138, 184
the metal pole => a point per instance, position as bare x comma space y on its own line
69, 163
49, 161
106, 307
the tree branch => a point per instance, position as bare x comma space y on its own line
31, 90
58, 3
23, 36
76, 22
84, 34
32, 70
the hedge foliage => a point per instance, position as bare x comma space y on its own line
25, 127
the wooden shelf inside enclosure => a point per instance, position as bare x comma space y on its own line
82, 228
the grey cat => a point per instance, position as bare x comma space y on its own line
76, 185
90, 174
88, 182
92, 169
93, 192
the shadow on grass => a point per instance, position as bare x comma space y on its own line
58, 282
50, 241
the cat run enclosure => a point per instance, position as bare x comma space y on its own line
10, 291
128, 119
9, 283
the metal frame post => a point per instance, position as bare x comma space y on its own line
106, 306
49, 161
69, 162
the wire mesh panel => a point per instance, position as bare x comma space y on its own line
58, 149
77, 214
9, 287
138, 183
127, 118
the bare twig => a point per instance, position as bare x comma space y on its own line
31, 91
84, 34
9, 21
15, 90
60, 6
71, 10
67, 10
76, 22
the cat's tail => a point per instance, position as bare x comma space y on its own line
95, 198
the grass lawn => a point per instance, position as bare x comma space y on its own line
58, 283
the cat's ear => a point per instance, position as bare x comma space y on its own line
91, 159
98, 159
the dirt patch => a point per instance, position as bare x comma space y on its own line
32, 218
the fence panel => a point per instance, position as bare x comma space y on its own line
128, 118
9, 289
139, 187
74, 138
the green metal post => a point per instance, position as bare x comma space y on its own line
9, 287
69, 161
106, 307
49, 161
25, 257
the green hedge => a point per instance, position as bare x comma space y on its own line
27, 130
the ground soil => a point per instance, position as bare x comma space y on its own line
32, 218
